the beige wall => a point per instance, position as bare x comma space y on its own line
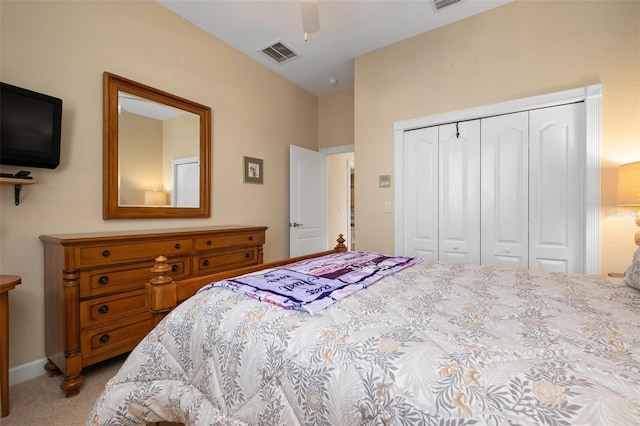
139, 157
523, 49
181, 139
61, 48
335, 119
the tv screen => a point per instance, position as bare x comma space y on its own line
30, 125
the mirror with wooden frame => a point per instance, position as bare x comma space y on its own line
156, 153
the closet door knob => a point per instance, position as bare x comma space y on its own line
508, 250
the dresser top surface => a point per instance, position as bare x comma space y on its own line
149, 233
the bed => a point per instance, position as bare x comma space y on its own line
432, 343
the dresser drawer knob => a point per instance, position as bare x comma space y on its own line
209, 242
103, 309
174, 268
247, 255
104, 338
205, 262
106, 253
177, 246
250, 237
103, 280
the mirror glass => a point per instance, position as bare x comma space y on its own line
156, 153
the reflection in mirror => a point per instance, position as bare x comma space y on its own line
156, 153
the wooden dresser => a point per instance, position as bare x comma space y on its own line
94, 286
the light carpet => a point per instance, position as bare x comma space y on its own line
40, 401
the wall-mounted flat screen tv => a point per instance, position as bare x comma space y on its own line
30, 126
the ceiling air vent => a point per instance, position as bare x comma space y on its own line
439, 4
279, 52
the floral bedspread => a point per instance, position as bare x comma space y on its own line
435, 343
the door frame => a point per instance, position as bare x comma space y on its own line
350, 172
591, 96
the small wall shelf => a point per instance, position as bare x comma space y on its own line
18, 185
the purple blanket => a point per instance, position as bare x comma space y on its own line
314, 284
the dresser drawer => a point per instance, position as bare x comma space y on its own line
113, 253
223, 241
107, 309
216, 262
101, 281
97, 344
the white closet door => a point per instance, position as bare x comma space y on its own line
459, 206
504, 194
421, 193
556, 237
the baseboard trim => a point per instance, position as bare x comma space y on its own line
27, 371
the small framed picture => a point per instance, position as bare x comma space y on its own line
253, 170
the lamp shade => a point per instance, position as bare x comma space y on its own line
629, 184
155, 198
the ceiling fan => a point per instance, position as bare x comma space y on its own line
310, 17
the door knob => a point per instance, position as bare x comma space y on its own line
295, 225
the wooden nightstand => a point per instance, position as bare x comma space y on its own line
7, 282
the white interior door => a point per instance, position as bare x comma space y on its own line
308, 188
186, 182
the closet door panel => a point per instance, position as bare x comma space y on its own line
556, 191
504, 190
459, 206
421, 193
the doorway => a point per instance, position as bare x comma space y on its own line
341, 198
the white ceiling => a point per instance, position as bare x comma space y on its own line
347, 29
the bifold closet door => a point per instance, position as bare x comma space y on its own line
420, 182
556, 188
459, 202
442, 192
505, 190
